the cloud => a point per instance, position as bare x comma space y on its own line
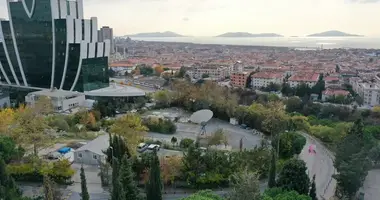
363, 1
185, 19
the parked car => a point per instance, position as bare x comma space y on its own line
154, 147
142, 147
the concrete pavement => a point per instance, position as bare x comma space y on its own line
320, 164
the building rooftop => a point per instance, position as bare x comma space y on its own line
309, 77
97, 145
55, 93
267, 75
330, 92
116, 90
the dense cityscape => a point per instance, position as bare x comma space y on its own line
87, 115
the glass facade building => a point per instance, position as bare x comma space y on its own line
48, 44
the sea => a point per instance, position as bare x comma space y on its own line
293, 42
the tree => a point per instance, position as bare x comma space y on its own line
352, 161
83, 182
154, 184
7, 117
48, 188
126, 176
181, 73
291, 144
30, 125
8, 187
118, 148
217, 138
293, 176
173, 140
130, 127
170, 169
272, 171
117, 192
245, 186
104, 173
8, 149
293, 104
313, 190
163, 98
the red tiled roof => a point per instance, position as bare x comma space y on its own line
330, 92
267, 75
331, 78
310, 77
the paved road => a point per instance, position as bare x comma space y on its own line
371, 185
320, 164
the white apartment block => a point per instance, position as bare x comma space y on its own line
263, 79
214, 72
369, 92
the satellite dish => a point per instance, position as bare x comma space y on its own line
201, 116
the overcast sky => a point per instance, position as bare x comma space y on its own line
213, 17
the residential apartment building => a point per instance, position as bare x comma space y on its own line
309, 79
329, 93
213, 71
239, 79
369, 92
263, 79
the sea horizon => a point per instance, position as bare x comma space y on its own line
292, 42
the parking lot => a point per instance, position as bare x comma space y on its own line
189, 130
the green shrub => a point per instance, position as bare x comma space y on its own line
59, 123
59, 171
291, 143
160, 125
186, 142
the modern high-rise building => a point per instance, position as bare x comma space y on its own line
49, 44
106, 33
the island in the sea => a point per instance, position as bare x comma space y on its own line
156, 34
334, 33
245, 34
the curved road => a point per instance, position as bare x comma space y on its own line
320, 164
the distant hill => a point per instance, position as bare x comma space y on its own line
245, 34
156, 34
334, 34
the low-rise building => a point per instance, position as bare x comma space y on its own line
263, 79
309, 79
330, 93
92, 152
61, 100
239, 79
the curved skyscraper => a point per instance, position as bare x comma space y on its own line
48, 44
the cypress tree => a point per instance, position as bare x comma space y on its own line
126, 179
272, 171
116, 189
83, 182
154, 184
313, 190
48, 188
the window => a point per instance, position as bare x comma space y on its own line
95, 157
80, 155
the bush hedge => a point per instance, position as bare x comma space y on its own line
59, 171
160, 125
